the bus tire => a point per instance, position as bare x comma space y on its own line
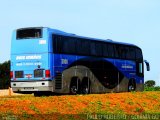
85, 86
74, 85
132, 85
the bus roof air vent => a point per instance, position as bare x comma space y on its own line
72, 33
109, 40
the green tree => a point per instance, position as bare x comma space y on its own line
150, 83
5, 75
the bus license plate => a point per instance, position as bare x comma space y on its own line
29, 88
28, 75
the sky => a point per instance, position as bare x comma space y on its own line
131, 21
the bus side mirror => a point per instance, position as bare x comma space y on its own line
147, 65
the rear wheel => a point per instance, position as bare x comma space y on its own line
74, 85
85, 86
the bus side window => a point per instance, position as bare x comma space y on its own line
139, 54
118, 51
132, 53
139, 63
110, 50
123, 51
93, 48
56, 44
105, 50
140, 69
99, 49
69, 45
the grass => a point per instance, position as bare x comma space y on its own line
82, 106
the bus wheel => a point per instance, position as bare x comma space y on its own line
131, 85
85, 86
74, 85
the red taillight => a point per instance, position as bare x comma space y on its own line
47, 73
11, 74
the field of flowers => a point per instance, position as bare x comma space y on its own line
93, 106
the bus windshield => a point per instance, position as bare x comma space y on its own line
29, 33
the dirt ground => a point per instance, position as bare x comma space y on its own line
8, 92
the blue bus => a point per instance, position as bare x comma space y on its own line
50, 60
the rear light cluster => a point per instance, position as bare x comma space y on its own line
11, 74
47, 73
37, 73
17, 74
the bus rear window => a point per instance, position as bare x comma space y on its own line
29, 33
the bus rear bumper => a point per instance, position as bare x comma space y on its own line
32, 86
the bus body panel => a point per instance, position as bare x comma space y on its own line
28, 63
30, 45
27, 56
81, 66
32, 86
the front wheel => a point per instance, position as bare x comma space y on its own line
131, 86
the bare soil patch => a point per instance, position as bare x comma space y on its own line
8, 92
